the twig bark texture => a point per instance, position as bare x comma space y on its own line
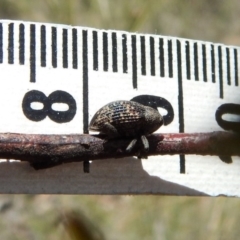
49, 150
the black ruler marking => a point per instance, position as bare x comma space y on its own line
170, 59
65, 48
180, 87
204, 62
220, 72
43, 46
143, 55
152, 56
95, 50
134, 61
86, 164
1, 43
182, 163
21, 44
124, 53
105, 51
213, 63
54, 47
228, 66
187, 49
10, 50
10, 43
32, 53
85, 79
196, 73
236, 66
161, 57
114, 52
74, 49
180, 102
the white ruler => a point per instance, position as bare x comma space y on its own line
55, 77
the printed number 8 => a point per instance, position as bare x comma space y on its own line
54, 97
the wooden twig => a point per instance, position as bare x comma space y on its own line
50, 150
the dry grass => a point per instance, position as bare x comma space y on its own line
120, 217
127, 217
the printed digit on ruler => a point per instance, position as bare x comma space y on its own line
47, 110
228, 108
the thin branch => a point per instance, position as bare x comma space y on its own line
49, 150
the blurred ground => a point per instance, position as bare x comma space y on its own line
127, 217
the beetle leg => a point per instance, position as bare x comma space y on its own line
131, 145
145, 143
143, 154
145, 146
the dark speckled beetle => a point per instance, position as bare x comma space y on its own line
126, 118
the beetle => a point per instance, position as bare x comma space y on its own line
127, 119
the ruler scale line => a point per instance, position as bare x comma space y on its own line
228, 66
213, 63
21, 44
74, 49
65, 48
152, 56
161, 57
134, 61
95, 50
204, 59
32, 53
170, 59
114, 52
10, 43
180, 103
86, 165
187, 49
143, 55
105, 52
196, 73
85, 79
236, 66
124, 53
54, 47
43, 46
1, 43
220, 72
